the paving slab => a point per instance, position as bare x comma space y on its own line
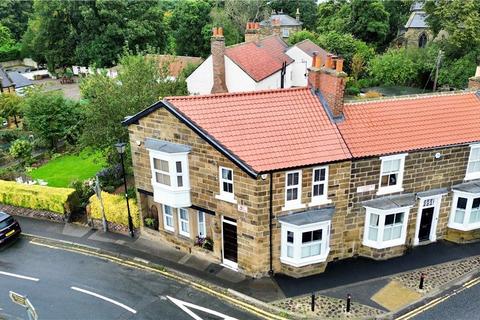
395, 295
75, 230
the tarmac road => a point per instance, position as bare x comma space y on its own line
67, 285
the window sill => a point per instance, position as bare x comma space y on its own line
292, 206
305, 262
172, 231
463, 227
226, 199
383, 245
383, 191
319, 202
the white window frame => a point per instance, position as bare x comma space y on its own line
166, 226
226, 196
172, 159
202, 225
472, 175
285, 32
466, 225
297, 260
398, 187
181, 221
322, 199
297, 203
380, 243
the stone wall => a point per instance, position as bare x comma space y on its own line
422, 173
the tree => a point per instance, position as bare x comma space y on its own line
369, 21
50, 116
14, 15
11, 106
393, 68
346, 46
302, 35
333, 15
139, 84
307, 8
398, 14
188, 19
5, 36
460, 19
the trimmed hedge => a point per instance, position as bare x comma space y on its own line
58, 200
115, 209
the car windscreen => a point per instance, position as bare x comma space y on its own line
6, 222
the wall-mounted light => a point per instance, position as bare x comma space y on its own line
139, 143
438, 155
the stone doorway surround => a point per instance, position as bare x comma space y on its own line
428, 199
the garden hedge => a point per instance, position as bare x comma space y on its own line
115, 209
58, 200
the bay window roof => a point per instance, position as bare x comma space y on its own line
469, 187
165, 146
393, 202
308, 217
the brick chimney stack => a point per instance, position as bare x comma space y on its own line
276, 26
217, 45
474, 82
252, 31
329, 81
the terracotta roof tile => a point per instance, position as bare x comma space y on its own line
176, 64
406, 124
260, 59
268, 130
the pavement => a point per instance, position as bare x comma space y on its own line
369, 282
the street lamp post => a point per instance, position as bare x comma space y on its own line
121, 150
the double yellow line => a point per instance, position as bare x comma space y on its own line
439, 300
238, 303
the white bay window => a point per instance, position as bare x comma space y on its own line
465, 214
168, 218
385, 228
169, 166
306, 244
183, 222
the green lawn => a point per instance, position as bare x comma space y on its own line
60, 172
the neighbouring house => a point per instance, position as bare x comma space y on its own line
176, 64
20, 82
262, 62
288, 180
281, 24
417, 33
6, 84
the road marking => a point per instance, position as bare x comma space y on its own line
186, 305
93, 252
104, 298
18, 276
472, 283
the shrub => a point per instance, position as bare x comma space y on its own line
115, 209
84, 191
9, 135
58, 200
21, 150
111, 177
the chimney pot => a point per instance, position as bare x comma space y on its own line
257, 25
314, 58
214, 31
318, 62
220, 31
329, 62
339, 65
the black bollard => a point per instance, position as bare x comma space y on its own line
422, 279
313, 302
349, 298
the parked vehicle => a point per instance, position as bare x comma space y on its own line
9, 227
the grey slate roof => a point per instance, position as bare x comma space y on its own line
417, 20
309, 217
165, 146
392, 202
5, 79
285, 20
19, 80
470, 187
431, 193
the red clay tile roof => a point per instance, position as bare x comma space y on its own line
268, 130
260, 59
176, 64
309, 48
406, 124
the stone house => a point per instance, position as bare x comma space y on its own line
6, 84
281, 24
288, 180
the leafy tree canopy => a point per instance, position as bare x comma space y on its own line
14, 15
369, 21
307, 8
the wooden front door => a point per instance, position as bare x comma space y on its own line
230, 245
426, 224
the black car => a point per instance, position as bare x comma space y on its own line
9, 227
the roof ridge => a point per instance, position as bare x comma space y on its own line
409, 97
254, 42
238, 93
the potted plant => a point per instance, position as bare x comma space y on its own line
149, 223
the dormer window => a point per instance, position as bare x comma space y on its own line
391, 174
169, 165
